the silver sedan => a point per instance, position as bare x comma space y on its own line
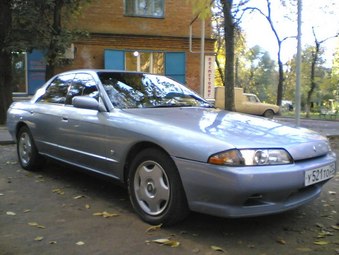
173, 151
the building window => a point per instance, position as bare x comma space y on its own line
145, 8
150, 62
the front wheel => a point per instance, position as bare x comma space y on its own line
28, 155
155, 188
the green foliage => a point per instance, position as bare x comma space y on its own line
34, 26
202, 8
325, 78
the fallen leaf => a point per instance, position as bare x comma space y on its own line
39, 238
166, 241
321, 242
323, 234
35, 224
332, 192
11, 213
319, 225
53, 242
80, 243
335, 227
87, 206
154, 228
216, 248
2, 194
27, 210
11, 162
78, 197
281, 241
105, 214
196, 250
58, 191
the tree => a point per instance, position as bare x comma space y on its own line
57, 38
239, 47
229, 29
35, 24
279, 39
5, 58
232, 15
315, 61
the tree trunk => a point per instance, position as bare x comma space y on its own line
281, 77
219, 69
229, 48
313, 83
5, 60
53, 50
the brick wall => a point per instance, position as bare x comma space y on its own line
107, 16
110, 29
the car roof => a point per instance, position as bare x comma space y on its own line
101, 71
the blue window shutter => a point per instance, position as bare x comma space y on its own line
114, 59
36, 70
175, 66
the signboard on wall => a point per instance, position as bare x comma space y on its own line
209, 77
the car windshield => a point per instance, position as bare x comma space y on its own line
139, 90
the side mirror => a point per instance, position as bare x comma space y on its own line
86, 102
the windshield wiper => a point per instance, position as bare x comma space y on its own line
171, 105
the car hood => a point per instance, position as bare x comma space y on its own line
214, 130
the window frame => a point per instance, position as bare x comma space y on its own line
133, 11
152, 65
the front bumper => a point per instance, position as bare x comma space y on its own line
248, 191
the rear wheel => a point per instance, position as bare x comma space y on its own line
28, 155
269, 114
155, 188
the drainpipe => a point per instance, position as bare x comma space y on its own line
202, 58
201, 52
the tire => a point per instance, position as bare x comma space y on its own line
269, 114
28, 155
155, 188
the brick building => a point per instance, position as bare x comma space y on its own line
139, 35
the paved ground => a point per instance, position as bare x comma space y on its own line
63, 211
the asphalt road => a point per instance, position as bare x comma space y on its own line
61, 210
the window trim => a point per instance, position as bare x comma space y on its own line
135, 15
138, 56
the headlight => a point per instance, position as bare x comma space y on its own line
251, 157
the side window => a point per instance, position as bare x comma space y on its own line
57, 90
83, 85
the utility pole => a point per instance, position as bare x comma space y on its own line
298, 68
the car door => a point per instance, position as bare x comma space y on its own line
47, 113
84, 130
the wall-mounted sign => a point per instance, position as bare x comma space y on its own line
209, 77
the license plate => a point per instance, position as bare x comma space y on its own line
319, 174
